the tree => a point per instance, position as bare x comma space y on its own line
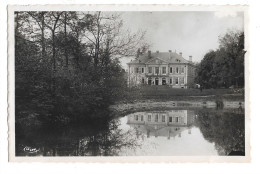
107, 37
67, 63
225, 129
225, 66
39, 18
53, 23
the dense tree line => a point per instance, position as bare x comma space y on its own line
223, 67
67, 63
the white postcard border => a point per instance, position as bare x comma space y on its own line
136, 159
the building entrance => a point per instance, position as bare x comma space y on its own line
164, 81
149, 81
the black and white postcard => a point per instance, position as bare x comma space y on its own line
128, 83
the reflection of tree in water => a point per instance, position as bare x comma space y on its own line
107, 142
95, 136
224, 129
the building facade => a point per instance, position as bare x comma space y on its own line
162, 123
161, 68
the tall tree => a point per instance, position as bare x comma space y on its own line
53, 23
39, 18
225, 66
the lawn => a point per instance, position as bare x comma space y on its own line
167, 93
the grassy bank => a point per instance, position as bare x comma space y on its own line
164, 93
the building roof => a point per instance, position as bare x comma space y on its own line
167, 57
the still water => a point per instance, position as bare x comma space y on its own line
200, 132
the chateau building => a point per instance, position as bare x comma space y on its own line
161, 68
162, 123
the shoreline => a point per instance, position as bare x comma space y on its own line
155, 104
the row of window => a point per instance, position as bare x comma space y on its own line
177, 80
156, 118
156, 70
174, 80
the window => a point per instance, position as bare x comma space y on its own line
182, 70
149, 117
142, 70
177, 70
156, 70
142, 118
176, 119
150, 70
156, 118
170, 80
177, 80
163, 118
164, 70
136, 117
136, 70
142, 80
182, 80
170, 69
170, 119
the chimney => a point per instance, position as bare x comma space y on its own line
138, 53
170, 51
149, 54
180, 53
190, 58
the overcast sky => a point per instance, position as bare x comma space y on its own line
192, 33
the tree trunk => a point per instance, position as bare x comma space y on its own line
65, 31
97, 41
42, 36
53, 50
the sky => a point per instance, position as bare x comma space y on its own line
192, 33
193, 144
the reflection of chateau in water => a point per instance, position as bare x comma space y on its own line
162, 123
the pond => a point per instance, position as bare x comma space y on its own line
182, 132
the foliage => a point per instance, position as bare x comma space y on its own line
226, 130
223, 67
66, 64
99, 135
